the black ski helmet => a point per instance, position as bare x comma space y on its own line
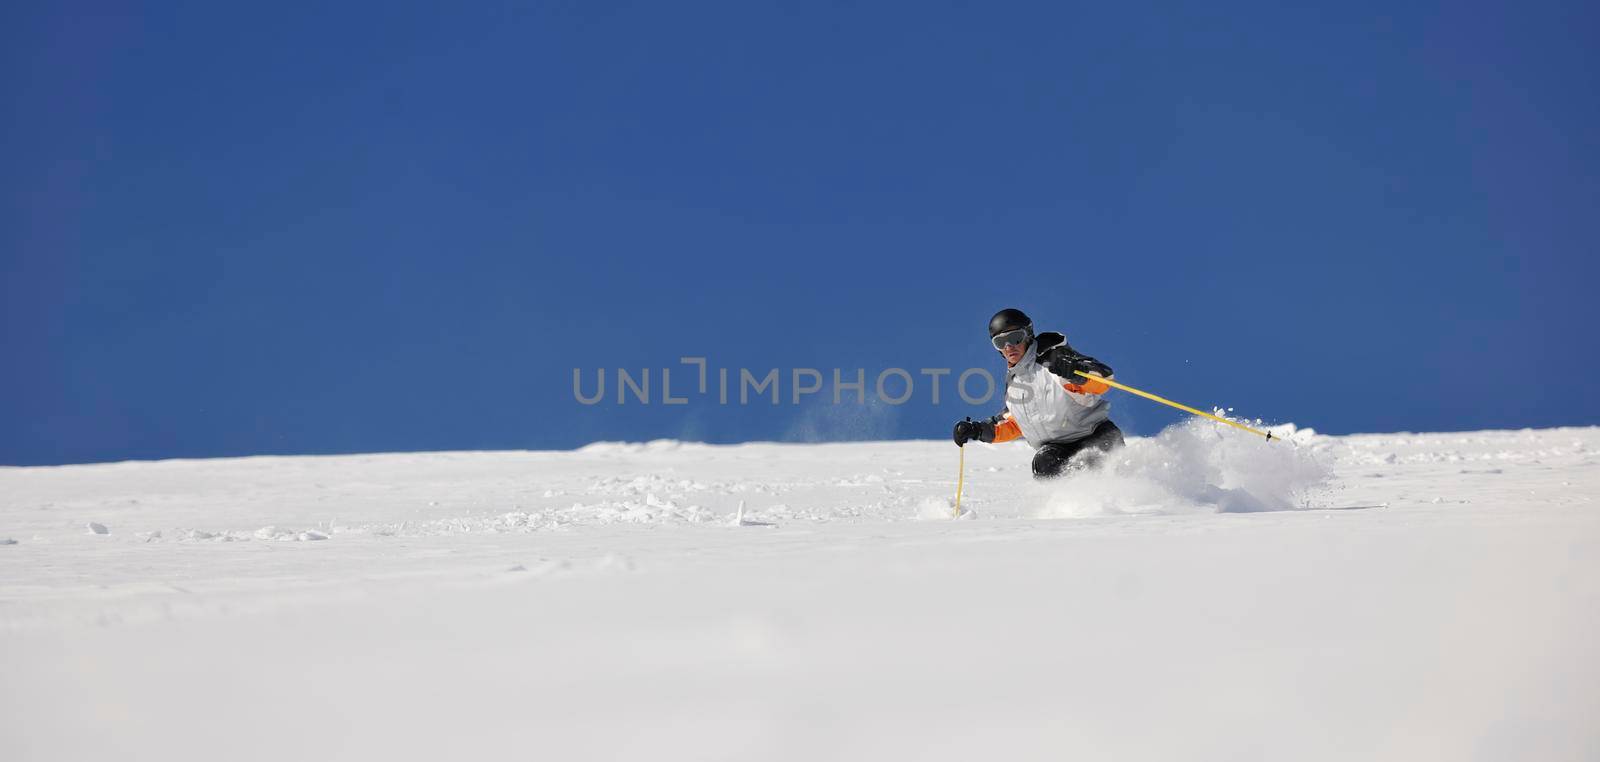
1010, 319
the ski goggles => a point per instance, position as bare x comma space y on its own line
1018, 336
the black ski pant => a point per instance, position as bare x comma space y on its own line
1054, 458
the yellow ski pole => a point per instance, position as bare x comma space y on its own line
961, 475
1185, 408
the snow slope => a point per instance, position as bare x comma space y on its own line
1206, 596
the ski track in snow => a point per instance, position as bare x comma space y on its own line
1204, 594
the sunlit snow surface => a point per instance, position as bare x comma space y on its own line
1204, 595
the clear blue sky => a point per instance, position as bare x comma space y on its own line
253, 228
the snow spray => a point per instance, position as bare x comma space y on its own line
1193, 467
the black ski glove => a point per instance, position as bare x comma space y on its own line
969, 430
1070, 365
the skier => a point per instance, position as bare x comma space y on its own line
1059, 412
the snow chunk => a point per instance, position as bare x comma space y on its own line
942, 509
288, 535
97, 528
739, 519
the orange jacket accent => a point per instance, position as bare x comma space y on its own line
1092, 387
1007, 430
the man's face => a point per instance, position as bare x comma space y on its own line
1014, 352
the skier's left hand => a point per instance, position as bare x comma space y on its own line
1071, 366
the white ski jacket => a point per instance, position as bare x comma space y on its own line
1043, 407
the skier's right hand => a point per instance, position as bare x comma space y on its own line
969, 430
